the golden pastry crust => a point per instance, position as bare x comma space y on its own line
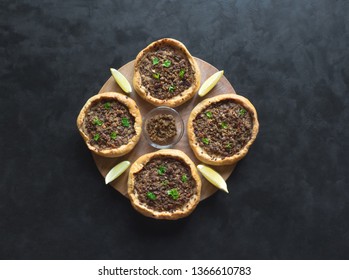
179, 98
186, 209
200, 153
133, 110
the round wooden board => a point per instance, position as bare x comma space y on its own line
105, 164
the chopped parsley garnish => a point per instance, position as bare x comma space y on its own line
242, 112
208, 114
113, 135
228, 146
151, 195
155, 60
125, 122
171, 88
224, 125
107, 105
205, 141
173, 193
164, 183
98, 122
167, 63
181, 73
161, 170
96, 137
156, 75
184, 178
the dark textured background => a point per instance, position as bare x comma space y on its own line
289, 198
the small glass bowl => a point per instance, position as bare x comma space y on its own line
179, 126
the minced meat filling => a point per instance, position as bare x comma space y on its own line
161, 128
223, 128
166, 72
109, 124
165, 184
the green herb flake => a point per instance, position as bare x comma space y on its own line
98, 122
155, 60
208, 114
224, 125
156, 76
125, 122
161, 170
228, 146
242, 112
181, 73
113, 135
167, 63
164, 183
184, 178
171, 88
107, 105
173, 193
205, 141
96, 137
151, 195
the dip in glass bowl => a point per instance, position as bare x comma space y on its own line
163, 127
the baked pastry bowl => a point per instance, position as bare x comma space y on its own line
164, 185
166, 74
163, 127
110, 123
221, 129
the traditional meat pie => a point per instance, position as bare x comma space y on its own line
221, 129
164, 185
110, 124
165, 73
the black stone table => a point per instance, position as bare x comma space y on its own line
289, 198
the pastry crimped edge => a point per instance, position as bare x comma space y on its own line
186, 209
178, 99
132, 108
200, 153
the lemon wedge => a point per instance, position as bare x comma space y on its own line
210, 83
116, 171
121, 80
213, 177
